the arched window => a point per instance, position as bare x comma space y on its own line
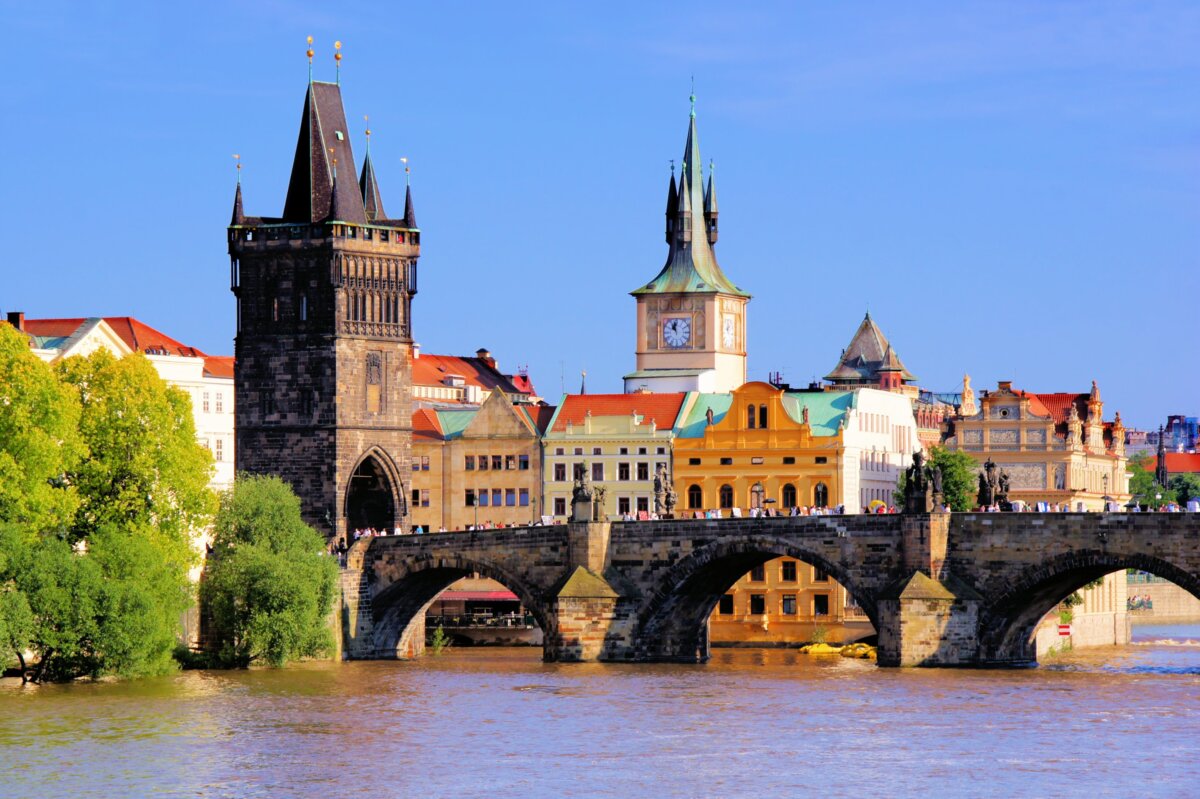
695, 497
821, 495
749, 417
789, 495
726, 495
762, 416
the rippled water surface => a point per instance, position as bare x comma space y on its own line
499, 723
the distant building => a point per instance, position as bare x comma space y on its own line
869, 361
444, 380
1055, 448
691, 319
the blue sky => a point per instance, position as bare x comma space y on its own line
1010, 188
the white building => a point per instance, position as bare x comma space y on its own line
880, 439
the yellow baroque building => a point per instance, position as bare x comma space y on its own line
1055, 448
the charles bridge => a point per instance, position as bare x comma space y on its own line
942, 589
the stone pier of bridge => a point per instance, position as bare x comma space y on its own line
941, 589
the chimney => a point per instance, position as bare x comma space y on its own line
416, 350
485, 356
1005, 385
17, 320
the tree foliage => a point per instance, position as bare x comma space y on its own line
270, 584
958, 478
103, 485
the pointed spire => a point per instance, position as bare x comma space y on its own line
323, 129
238, 218
672, 204
710, 204
367, 184
335, 211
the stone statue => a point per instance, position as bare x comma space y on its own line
581, 497
598, 494
937, 480
918, 486
708, 415
804, 414
660, 490
671, 500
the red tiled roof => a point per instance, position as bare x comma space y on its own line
137, 335
218, 366
662, 408
1059, 405
425, 425
432, 370
1181, 462
540, 415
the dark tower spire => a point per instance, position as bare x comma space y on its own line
238, 216
710, 204
324, 135
672, 203
410, 215
372, 200
1160, 466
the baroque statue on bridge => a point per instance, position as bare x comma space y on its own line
993, 486
581, 497
922, 486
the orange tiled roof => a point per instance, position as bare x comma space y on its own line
425, 425
540, 415
139, 336
1058, 405
1180, 462
432, 370
662, 408
218, 366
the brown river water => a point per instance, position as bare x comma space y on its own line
1119, 722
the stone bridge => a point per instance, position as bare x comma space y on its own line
941, 589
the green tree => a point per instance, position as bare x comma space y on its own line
1185, 487
270, 584
39, 439
145, 466
959, 481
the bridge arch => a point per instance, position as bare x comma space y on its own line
672, 624
401, 599
1008, 622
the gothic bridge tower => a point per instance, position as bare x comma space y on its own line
324, 332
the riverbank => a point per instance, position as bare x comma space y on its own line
1154, 601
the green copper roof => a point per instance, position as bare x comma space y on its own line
826, 409
697, 418
691, 265
454, 422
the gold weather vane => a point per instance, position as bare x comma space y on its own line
310, 55
367, 119
238, 159
337, 60
404, 160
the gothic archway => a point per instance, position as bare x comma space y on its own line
373, 500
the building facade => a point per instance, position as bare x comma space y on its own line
620, 440
324, 332
1054, 448
691, 319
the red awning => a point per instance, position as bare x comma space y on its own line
476, 596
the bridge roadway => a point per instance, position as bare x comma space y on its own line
941, 589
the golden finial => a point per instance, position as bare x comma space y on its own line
334, 159
367, 119
404, 160
238, 159
310, 55
337, 59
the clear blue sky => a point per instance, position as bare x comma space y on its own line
1010, 188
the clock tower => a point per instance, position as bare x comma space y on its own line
691, 320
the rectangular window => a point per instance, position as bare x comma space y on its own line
788, 572
560, 472
726, 461
725, 606
416, 464
483, 463
820, 575
510, 497
219, 451
822, 459
424, 497
510, 462
693, 461
623, 451
641, 450
483, 497
758, 574
820, 604
220, 402
523, 497
205, 402
497, 462
424, 463
788, 460
758, 604
558, 451
597, 451
470, 498
579, 450
523, 463
622, 471
416, 497
598, 472
787, 605
560, 506
756, 461
622, 505
660, 451
495, 497
577, 471
470, 463
643, 471
643, 504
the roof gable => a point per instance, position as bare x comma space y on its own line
868, 352
662, 409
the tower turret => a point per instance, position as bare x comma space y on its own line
672, 205
710, 204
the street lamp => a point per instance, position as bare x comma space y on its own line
1107, 498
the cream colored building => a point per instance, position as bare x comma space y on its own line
1054, 448
619, 439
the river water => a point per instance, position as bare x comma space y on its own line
1117, 722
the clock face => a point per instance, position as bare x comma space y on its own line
728, 331
677, 332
